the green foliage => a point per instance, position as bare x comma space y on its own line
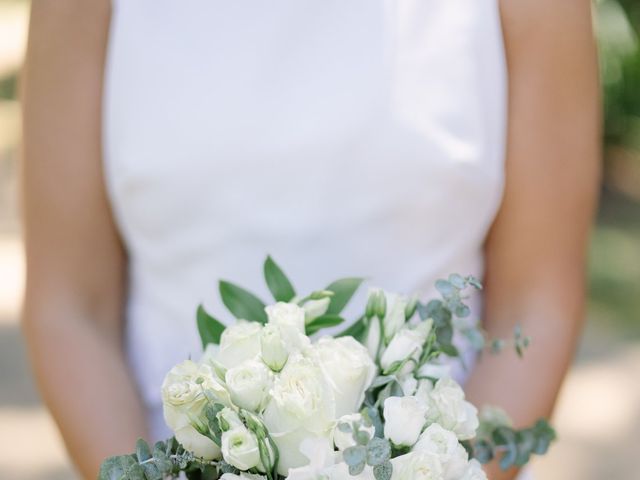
374, 452
209, 328
343, 290
165, 461
243, 304
323, 321
511, 446
277, 281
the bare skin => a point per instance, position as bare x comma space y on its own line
536, 250
76, 264
75, 261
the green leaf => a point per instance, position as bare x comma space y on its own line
243, 304
344, 289
445, 287
277, 281
142, 450
378, 451
383, 471
355, 455
323, 321
210, 329
356, 330
121, 467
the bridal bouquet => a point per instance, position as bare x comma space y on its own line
268, 400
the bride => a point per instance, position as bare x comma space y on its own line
168, 144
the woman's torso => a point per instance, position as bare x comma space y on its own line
360, 137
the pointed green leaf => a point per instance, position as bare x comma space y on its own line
277, 281
323, 321
356, 330
241, 303
343, 290
210, 329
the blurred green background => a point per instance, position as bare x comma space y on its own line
598, 414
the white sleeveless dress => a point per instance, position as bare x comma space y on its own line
343, 137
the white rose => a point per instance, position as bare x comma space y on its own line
404, 418
408, 342
435, 370
394, 320
249, 384
302, 406
348, 368
289, 319
286, 315
183, 401
449, 408
474, 471
240, 448
417, 466
344, 439
315, 308
239, 342
274, 352
444, 443
409, 384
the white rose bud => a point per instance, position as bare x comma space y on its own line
435, 370
239, 342
444, 443
417, 465
372, 341
408, 342
423, 389
286, 315
249, 384
449, 408
344, 439
409, 384
404, 418
289, 319
240, 448
228, 419
394, 319
273, 349
316, 308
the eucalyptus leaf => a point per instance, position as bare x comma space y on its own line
383, 471
241, 303
277, 281
142, 450
355, 455
378, 451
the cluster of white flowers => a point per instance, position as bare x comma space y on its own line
296, 388
308, 397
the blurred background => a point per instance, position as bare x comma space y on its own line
598, 416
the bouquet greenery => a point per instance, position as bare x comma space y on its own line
375, 401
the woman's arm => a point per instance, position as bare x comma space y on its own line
535, 252
75, 262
